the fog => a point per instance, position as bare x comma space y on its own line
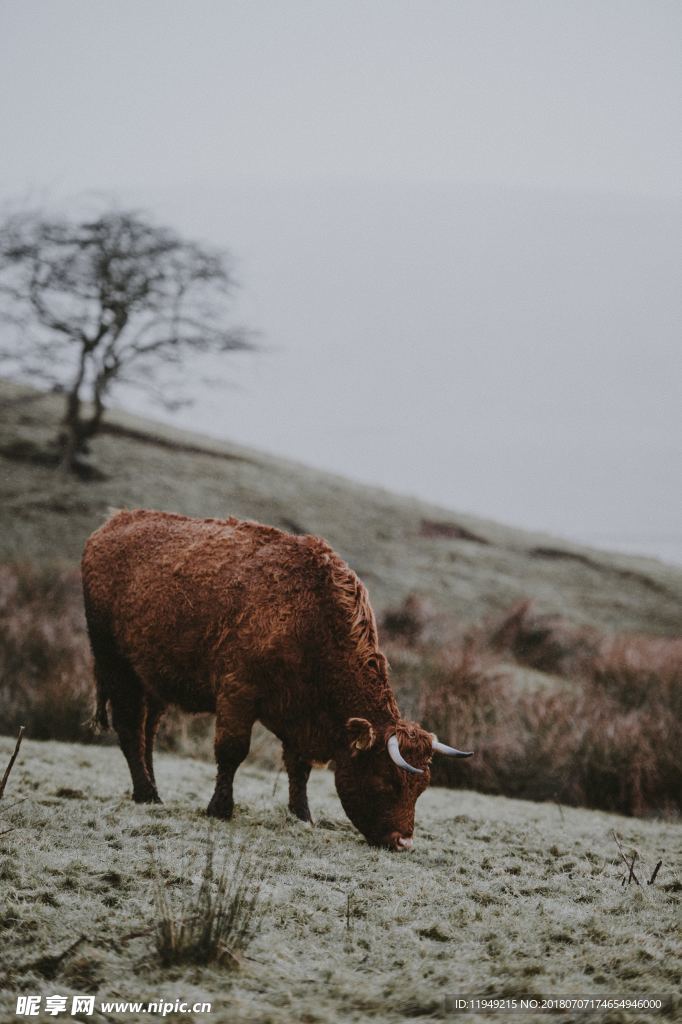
455, 226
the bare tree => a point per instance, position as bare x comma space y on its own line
106, 301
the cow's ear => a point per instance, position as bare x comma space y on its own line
362, 734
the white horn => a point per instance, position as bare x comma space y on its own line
397, 757
443, 748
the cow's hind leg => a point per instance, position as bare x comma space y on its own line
129, 716
298, 770
235, 715
118, 683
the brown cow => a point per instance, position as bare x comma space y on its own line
253, 624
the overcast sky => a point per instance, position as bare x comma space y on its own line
456, 225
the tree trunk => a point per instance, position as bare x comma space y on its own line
71, 444
72, 435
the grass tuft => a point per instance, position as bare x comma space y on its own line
217, 922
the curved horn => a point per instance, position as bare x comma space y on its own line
397, 757
443, 748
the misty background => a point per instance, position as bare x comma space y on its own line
455, 224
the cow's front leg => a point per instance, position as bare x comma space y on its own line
298, 770
234, 721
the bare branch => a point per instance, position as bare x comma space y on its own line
629, 864
12, 759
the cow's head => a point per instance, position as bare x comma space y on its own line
380, 773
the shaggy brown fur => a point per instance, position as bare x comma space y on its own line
254, 624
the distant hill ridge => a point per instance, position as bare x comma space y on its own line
467, 566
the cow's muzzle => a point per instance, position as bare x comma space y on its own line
397, 841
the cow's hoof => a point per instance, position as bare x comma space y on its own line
220, 808
303, 814
147, 798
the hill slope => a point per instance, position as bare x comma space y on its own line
467, 566
499, 897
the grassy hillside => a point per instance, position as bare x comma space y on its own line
466, 566
499, 897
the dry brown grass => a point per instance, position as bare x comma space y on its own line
605, 738
544, 642
45, 675
640, 671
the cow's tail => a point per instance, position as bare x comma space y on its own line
101, 719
